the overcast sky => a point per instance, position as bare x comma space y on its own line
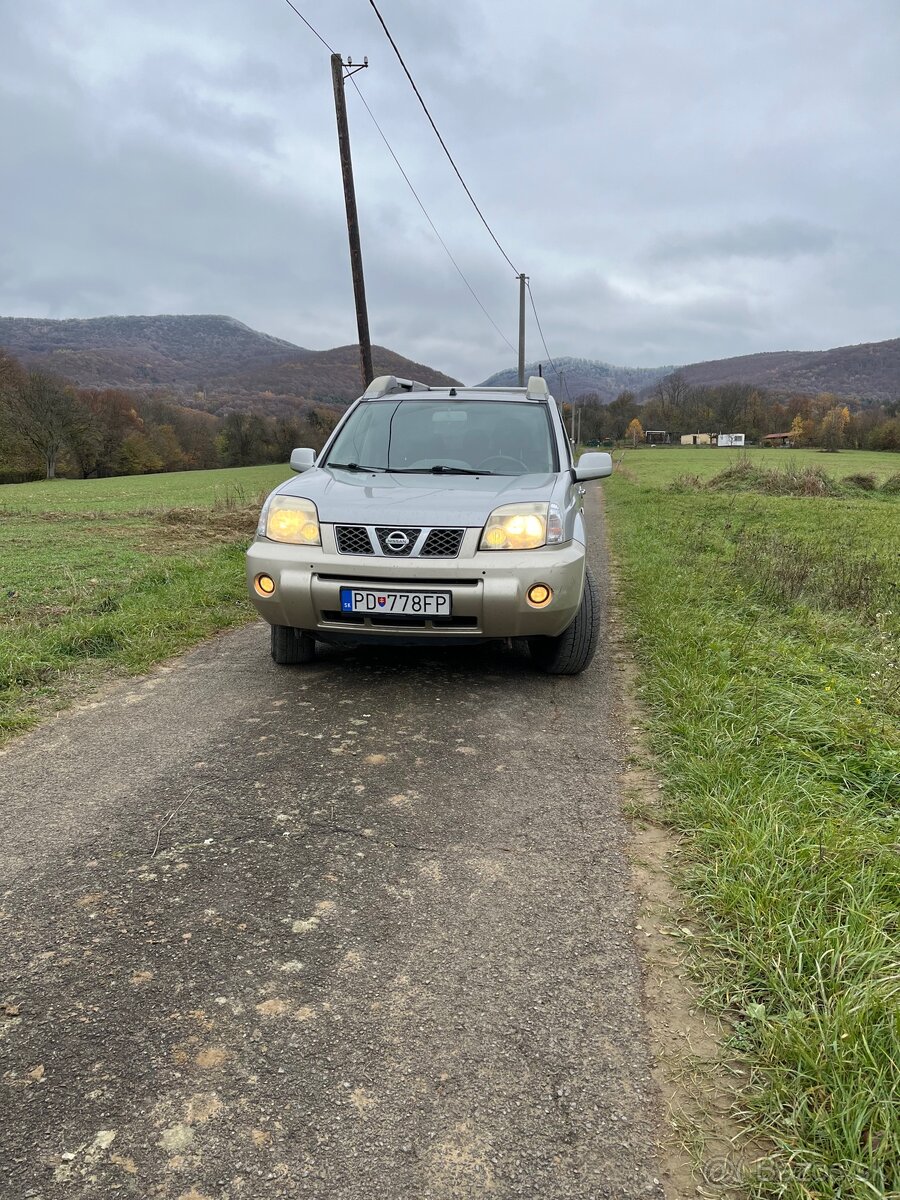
681, 181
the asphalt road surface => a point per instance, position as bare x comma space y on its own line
360, 930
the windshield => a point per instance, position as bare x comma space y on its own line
483, 437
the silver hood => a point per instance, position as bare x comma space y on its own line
362, 498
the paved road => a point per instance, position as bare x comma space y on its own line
360, 930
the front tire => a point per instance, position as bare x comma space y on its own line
291, 647
572, 651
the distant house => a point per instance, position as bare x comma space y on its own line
730, 439
656, 437
777, 439
696, 439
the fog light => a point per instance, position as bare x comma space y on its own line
539, 595
264, 584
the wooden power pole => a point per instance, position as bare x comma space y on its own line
521, 331
356, 264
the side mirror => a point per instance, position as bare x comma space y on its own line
592, 465
303, 458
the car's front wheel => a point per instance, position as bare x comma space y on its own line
291, 647
573, 650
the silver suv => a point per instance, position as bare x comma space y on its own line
433, 516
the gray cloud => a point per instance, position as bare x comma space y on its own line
681, 182
776, 239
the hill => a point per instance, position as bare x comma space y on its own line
869, 371
326, 376
164, 351
213, 362
582, 375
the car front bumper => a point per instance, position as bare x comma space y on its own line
488, 590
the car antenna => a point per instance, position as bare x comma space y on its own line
453, 391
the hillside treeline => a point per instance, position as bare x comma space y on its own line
50, 428
678, 408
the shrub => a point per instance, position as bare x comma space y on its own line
867, 483
686, 483
891, 485
791, 480
740, 474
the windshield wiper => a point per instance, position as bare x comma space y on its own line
438, 470
353, 467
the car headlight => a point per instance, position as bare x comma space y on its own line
292, 519
522, 527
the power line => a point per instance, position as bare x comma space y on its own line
560, 375
308, 26
409, 184
429, 220
540, 330
438, 135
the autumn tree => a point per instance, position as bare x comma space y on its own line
800, 430
635, 431
620, 411
242, 441
104, 419
833, 428
12, 382
138, 456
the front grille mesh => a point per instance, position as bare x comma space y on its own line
438, 543
442, 543
352, 539
384, 533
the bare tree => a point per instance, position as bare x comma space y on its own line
40, 415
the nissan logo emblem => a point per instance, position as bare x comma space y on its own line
397, 541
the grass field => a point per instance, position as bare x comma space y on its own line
767, 628
660, 465
100, 576
140, 493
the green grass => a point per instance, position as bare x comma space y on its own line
99, 577
768, 634
130, 493
661, 465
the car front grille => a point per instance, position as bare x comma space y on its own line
383, 541
442, 543
386, 534
352, 539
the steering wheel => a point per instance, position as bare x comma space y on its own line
501, 458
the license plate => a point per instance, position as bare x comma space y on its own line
410, 604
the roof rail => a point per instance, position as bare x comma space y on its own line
387, 385
537, 388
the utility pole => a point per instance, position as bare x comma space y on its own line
522, 279
356, 264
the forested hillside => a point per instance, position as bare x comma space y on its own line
869, 371
209, 362
573, 376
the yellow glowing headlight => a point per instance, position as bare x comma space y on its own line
516, 527
292, 519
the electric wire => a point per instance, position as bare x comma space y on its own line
560, 375
409, 184
425, 212
308, 26
438, 135
540, 330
